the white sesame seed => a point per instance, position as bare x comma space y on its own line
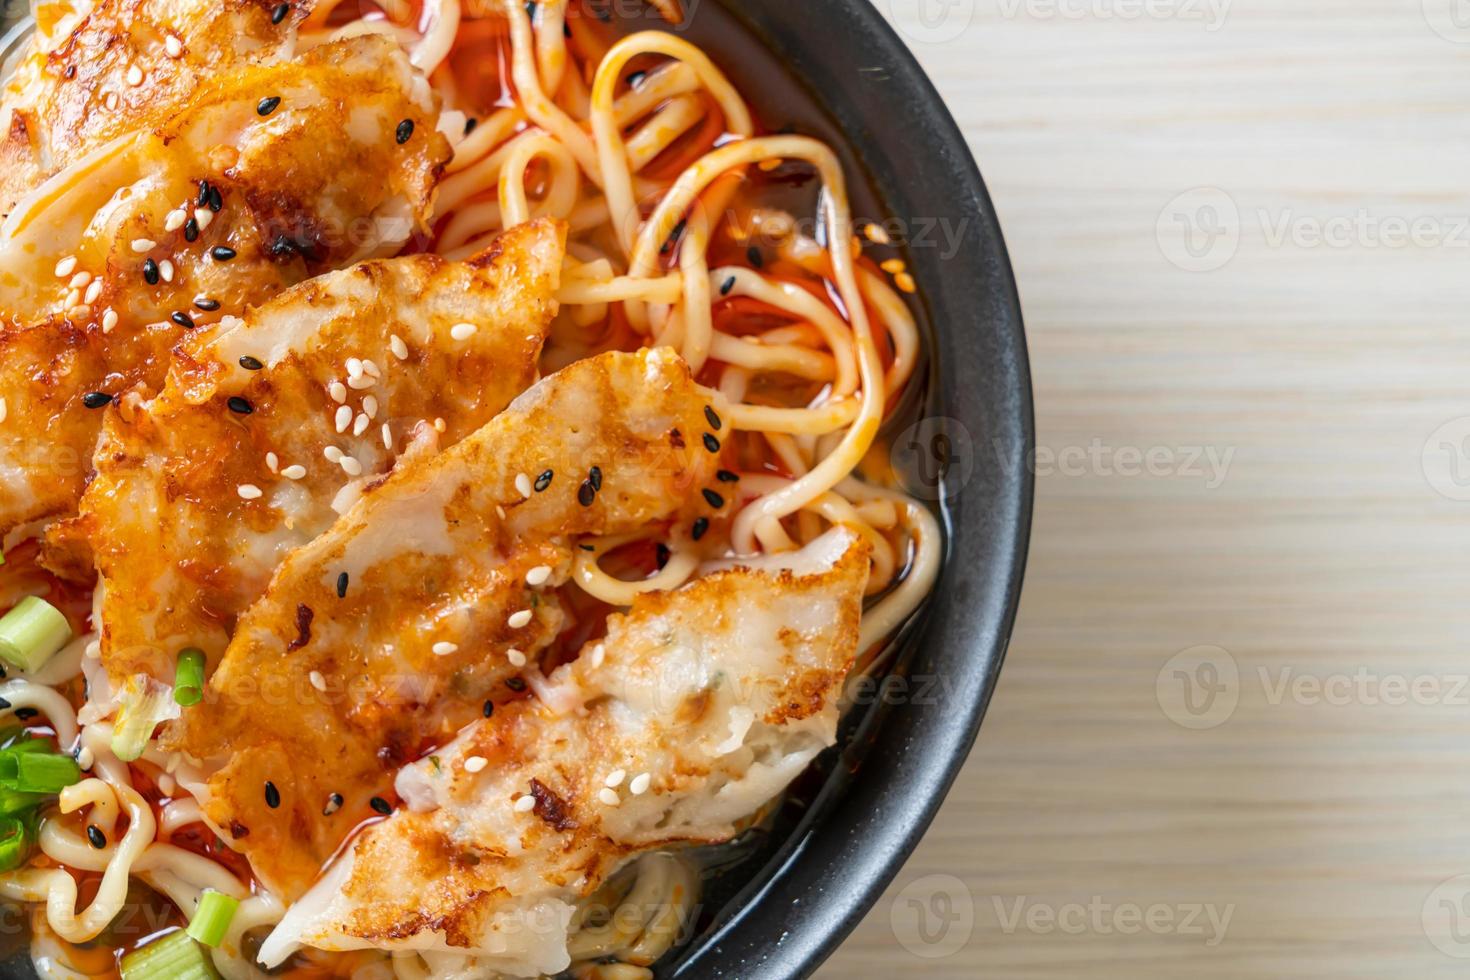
4, 410
370, 369
370, 406
338, 391
354, 367
172, 46
525, 804
110, 101
86, 758
538, 575
444, 648
333, 454
273, 462
523, 485
399, 348
360, 426
344, 418
609, 797
174, 220
109, 320
80, 279
73, 298
500, 512
202, 217
599, 652
93, 293
463, 331
134, 75
360, 382
294, 472
615, 778
516, 658
475, 763
387, 436
66, 267
350, 466
317, 680
440, 425
519, 619
639, 785
166, 270
141, 245
248, 491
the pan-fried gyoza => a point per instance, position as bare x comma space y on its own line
442, 484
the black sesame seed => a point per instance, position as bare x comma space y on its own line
726, 286
470, 124
701, 524
594, 477
203, 198
543, 481
272, 795
71, 72
516, 684
250, 364
714, 499
713, 418
662, 554
334, 803
711, 443
488, 709
381, 805
97, 838
587, 547
206, 304
279, 12
96, 399
26, 714
216, 199
531, 9
191, 230
342, 586
586, 493
222, 253
240, 406
150, 272
267, 105
404, 132
725, 476
755, 257
4, 704
182, 319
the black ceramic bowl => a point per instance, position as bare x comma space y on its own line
834, 69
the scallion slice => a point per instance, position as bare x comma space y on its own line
212, 919
37, 772
15, 844
145, 703
31, 633
171, 957
189, 677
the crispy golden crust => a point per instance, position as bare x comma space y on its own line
439, 554
181, 554
72, 92
455, 869
294, 204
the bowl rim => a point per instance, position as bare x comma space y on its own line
774, 928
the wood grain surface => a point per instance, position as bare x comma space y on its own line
1232, 738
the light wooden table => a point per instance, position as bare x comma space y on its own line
1318, 342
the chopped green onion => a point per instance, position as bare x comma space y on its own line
212, 919
189, 677
145, 703
15, 843
13, 802
37, 772
172, 957
31, 633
